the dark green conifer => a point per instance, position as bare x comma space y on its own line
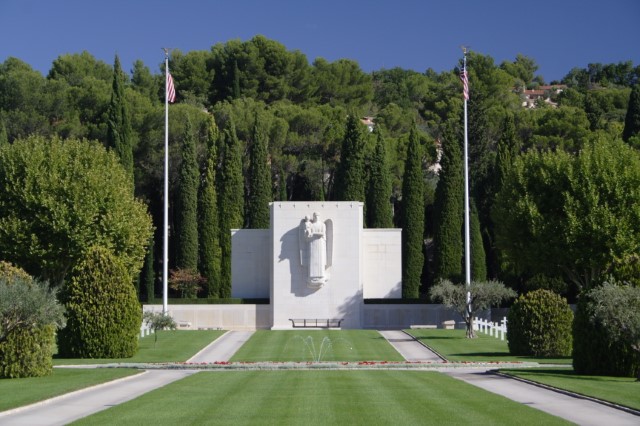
632, 120
350, 179
209, 231
119, 131
231, 202
412, 218
259, 195
379, 213
186, 204
448, 210
478, 257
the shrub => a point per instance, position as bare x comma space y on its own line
606, 331
539, 324
28, 352
29, 315
104, 315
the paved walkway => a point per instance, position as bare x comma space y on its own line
67, 408
408, 347
577, 410
223, 348
73, 406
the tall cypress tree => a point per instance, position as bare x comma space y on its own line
350, 182
478, 257
231, 202
4, 138
148, 275
632, 119
412, 219
186, 206
507, 150
448, 210
119, 131
379, 214
209, 231
259, 179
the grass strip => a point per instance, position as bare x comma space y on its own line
172, 346
454, 346
316, 345
320, 398
623, 391
19, 392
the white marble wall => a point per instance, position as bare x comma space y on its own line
365, 263
382, 252
341, 296
250, 251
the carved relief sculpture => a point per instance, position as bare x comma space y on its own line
316, 244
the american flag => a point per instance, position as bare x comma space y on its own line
465, 84
171, 90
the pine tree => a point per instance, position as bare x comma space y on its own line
412, 219
379, 214
259, 179
119, 131
186, 206
478, 258
448, 211
209, 231
231, 203
632, 120
350, 182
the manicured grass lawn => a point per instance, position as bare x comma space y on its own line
454, 346
619, 390
321, 398
172, 346
19, 392
316, 345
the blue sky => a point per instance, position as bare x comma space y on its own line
412, 34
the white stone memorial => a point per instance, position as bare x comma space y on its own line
316, 264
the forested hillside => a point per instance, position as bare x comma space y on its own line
259, 92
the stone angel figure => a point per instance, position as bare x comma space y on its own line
316, 249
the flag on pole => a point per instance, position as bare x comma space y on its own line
465, 84
171, 90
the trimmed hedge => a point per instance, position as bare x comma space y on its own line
539, 324
103, 313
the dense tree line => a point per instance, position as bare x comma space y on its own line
255, 122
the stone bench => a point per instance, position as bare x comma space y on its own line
428, 326
449, 325
315, 323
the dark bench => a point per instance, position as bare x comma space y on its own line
316, 323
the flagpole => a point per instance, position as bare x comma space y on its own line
467, 244
165, 227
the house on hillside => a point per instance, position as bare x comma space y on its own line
542, 94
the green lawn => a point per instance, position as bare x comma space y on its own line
172, 346
316, 345
454, 346
19, 392
619, 390
320, 397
